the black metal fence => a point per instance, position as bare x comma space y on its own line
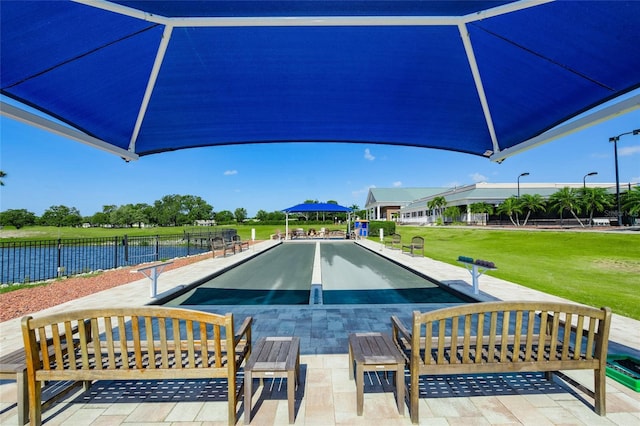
34, 261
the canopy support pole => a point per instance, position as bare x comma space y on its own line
43, 123
162, 49
286, 226
581, 123
475, 71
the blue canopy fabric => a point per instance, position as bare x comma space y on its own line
317, 207
481, 77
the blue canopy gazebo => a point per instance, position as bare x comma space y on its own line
315, 207
488, 78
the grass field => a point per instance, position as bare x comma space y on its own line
594, 268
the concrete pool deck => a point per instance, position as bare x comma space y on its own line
327, 395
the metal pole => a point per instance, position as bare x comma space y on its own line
615, 140
615, 152
519, 176
584, 179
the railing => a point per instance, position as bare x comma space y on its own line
34, 261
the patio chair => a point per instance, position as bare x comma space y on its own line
394, 242
417, 245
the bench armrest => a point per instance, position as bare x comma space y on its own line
244, 331
399, 330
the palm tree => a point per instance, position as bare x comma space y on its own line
510, 206
2, 175
566, 199
437, 204
531, 203
595, 199
480, 208
631, 201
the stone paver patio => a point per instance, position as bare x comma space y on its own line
326, 395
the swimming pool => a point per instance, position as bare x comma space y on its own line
329, 273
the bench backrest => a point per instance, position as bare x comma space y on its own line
218, 243
510, 332
129, 339
417, 242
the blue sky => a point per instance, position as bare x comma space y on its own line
45, 170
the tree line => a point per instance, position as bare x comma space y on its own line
170, 210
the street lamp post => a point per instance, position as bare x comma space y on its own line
584, 179
615, 140
521, 174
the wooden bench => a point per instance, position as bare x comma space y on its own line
237, 242
416, 245
506, 337
394, 242
146, 343
219, 243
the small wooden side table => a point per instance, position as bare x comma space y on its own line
14, 367
375, 352
273, 357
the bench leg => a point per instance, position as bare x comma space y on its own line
599, 392
291, 390
233, 399
35, 403
400, 388
359, 388
248, 390
414, 397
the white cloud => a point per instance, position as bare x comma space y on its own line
360, 192
397, 184
477, 177
368, 155
628, 150
230, 172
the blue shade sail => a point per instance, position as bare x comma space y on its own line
479, 77
317, 207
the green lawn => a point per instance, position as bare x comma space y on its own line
594, 268
597, 269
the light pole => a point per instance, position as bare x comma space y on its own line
615, 140
584, 179
521, 174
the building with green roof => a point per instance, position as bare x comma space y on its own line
409, 205
385, 203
